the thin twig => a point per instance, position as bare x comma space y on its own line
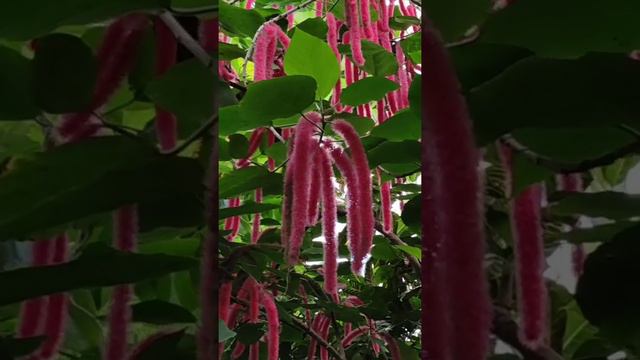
276, 134
255, 37
194, 12
187, 40
195, 136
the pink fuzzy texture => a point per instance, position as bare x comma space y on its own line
365, 14
291, 19
403, 79
332, 34
351, 9
116, 57
284, 40
166, 51
363, 176
393, 347
250, 4
383, 14
254, 313
224, 297
349, 338
273, 325
457, 305
324, 332
271, 163
207, 34
255, 230
57, 304
385, 206
233, 223
403, 8
238, 350
329, 211
305, 300
354, 228
272, 29
300, 170
31, 312
264, 53
530, 261
317, 326
314, 195
319, 7
348, 71
125, 234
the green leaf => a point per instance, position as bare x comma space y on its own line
400, 22
233, 120
278, 98
17, 86
224, 333
314, 26
88, 271
44, 18
564, 34
239, 21
411, 213
247, 179
415, 96
596, 234
186, 90
227, 52
238, 146
453, 18
160, 312
362, 124
526, 172
587, 143
248, 333
378, 61
311, 56
65, 72
88, 326
412, 47
404, 125
94, 176
608, 204
593, 91
607, 291
477, 63
387, 153
366, 90
161, 345
246, 208
411, 250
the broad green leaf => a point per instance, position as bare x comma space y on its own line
311, 56
378, 61
394, 153
595, 90
411, 250
224, 333
88, 271
278, 98
477, 63
247, 179
228, 52
596, 234
65, 72
233, 120
239, 21
453, 18
89, 328
43, 18
246, 208
411, 213
53, 188
162, 345
249, 333
314, 26
608, 204
404, 125
366, 90
526, 172
238, 146
186, 90
160, 312
586, 143
412, 47
607, 291
362, 124
415, 96
573, 28
401, 22
17, 86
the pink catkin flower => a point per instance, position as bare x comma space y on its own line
529, 249
353, 23
457, 316
329, 211
273, 325
319, 7
254, 143
324, 332
314, 196
349, 338
291, 19
403, 79
317, 326
166, 51
363, 174
116, 57
574, 183
300, 171
365, 15
125, 231
354, 228
385, 205
57, 305
383, 13
31, 312
393, 347
262, 54
284, 40
250, 4
207, 35
254, 313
